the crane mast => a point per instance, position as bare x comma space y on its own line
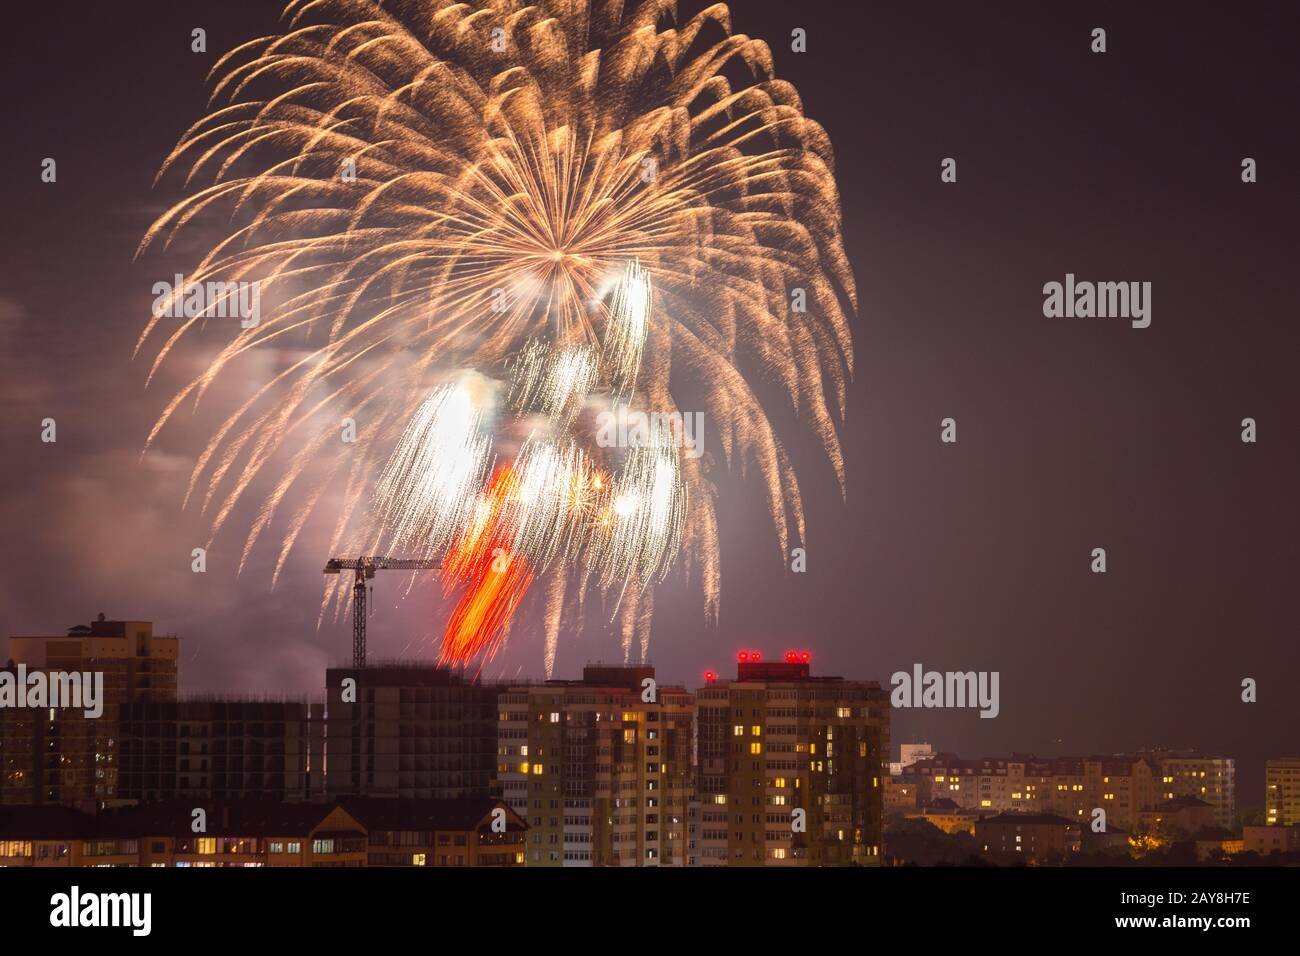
365, 567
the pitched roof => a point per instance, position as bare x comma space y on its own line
242, 818
465, 813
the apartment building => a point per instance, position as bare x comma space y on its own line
1282, 791
790, 767
258, 833
599, 767
61, 756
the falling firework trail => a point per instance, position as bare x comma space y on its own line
425, 186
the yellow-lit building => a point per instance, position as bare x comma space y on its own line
1282, 791
790, 767
360, 832
599, 767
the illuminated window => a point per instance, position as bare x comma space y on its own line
756, 748
738, 731
537, 769
417, 859
755, 731
779, 782
207, 845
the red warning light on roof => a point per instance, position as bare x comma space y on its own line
756, 656
791, 657
805, 657
743, 656
710, 677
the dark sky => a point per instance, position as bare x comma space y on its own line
1072, 433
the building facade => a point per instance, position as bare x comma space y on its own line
220, 749
1029, 838
411, 731
1282, 791
600, 767
1209, 778
63, 756
790, 767
261, 833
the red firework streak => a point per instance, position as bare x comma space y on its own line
495, 579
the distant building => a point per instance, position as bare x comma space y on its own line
1271, 839
1177, 819
472, 831
62, 756
600, 768
1282, 791
1215, 842
947, 816
901, 791
1072, 787
1112, 840
409, 730
220, 750
1208, 778
790, 767
253, 833
1031, 838
909, 754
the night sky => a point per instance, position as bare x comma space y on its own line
1072, 433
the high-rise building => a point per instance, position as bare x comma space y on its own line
409, 730
63, 755
790, 767
1282, 791
599, 767
220, 750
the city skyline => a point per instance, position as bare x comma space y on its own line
1072, 434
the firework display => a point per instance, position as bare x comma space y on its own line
472, 225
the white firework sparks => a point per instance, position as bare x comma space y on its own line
640, 535
553, 381
629, 326
429, 487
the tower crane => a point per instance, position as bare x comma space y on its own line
365, 568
